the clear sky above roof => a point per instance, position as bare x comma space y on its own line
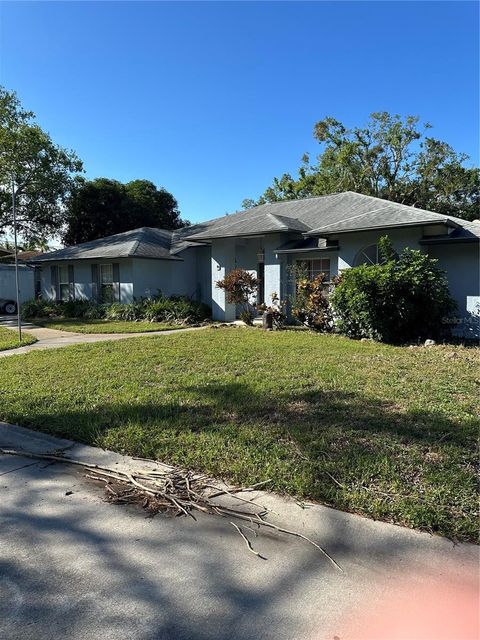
211, 100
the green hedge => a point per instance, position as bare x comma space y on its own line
402, 300
175, 310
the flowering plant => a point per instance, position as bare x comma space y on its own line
277, 309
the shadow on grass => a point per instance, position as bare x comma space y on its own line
355, 453
305, 415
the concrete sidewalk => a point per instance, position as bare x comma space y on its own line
53, 338
76, 568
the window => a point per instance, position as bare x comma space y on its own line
38, 282
315, 267
63, 283
106, 283
368, 255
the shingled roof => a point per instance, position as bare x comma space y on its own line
256, 221
145, 242
322, 216
329, 214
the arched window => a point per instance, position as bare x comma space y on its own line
368, 255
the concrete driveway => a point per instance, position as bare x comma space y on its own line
76, 568
53, 338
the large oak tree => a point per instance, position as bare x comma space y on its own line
390, 157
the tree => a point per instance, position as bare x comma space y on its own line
152, 206
96, 208
103, 207
392, 158
41, 173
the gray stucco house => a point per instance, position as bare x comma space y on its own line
329, 233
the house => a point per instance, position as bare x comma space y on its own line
28, 278
120, 268
28, 255
327, 233
8, 287
23, 257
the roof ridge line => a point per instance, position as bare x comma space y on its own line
276, 218
266, 204
358, 215
399, 204
324, 195
137, 242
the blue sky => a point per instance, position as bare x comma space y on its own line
212, 100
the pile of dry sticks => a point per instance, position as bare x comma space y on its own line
179, 492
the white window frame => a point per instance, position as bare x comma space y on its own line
108, 285
315, 270
363, 258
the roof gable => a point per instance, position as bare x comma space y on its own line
145, 242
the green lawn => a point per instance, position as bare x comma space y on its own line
388, 432
9, 339
81, 325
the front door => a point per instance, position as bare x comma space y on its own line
260, 278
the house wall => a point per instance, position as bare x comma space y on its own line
246, 257
342, 258
8, 287
204, 274
152, 277
274, 266
242, 252
142, 277
82, 270
188, 277
229, 253
462, 264
352, 243
222, 261
246, 250
201, 268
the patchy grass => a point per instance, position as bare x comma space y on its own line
388, 432
9, 339
82, 325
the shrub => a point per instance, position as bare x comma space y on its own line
241, 286
177, 310
68, 309
39, 309
129, 312
155, 309
277, 309
397, 301
247, 317
82, 309
310, 305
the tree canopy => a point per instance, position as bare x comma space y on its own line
392, 158
41, 173
103, 207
